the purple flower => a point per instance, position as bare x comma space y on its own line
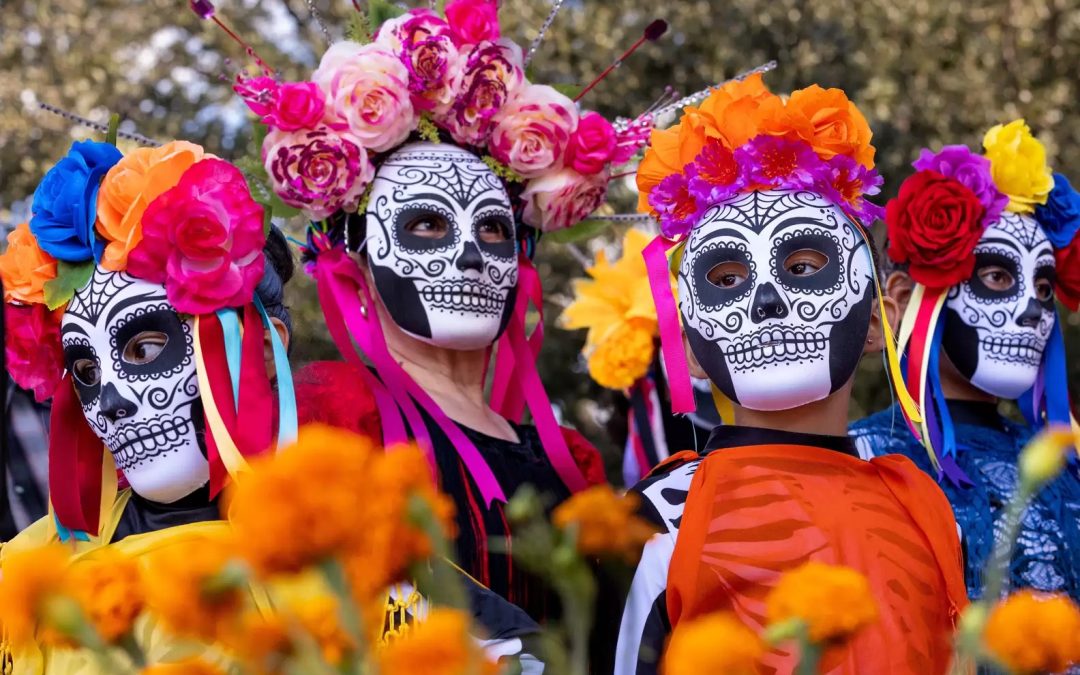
778, 163
204, 9
676, 206
714, 175
970, 170
847, 183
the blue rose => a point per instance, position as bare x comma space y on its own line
65, 202
1060, 216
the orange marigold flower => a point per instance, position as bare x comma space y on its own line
259, 640
183, 589
440, 645
605, 522
319, 617
129, 187
717, 644
624, 356
833, 600
27, 579
1031, 632
108, 587
186, 667
830, 123
25, 268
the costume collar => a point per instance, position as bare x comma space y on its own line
731, 436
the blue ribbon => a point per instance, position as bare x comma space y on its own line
230, 328
288, 424
66, 534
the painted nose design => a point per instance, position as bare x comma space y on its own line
767, 304
114, 406
1032, 314
470, 258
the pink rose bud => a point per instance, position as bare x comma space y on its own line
473, 21
592, 144
298, 105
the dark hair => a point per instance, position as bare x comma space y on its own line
277, 272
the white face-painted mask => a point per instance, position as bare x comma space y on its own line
776, 294
441, 245
131, 357
997, 323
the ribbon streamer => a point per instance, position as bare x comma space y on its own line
667, 316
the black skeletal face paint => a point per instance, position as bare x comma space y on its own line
131, 357
441, 245
776, 292
998, 322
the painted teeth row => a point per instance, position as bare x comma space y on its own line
789, 348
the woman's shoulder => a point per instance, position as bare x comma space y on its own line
335, 393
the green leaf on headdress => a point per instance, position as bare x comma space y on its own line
586, 229
568, 90
70, 277
358, 30
114, 128
381, 11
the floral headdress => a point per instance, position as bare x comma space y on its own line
172, 215
743, 138
934, 225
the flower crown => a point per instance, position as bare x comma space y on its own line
942, 210
423, 74
744, 138
172, 215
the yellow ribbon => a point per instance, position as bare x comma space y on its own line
724, 407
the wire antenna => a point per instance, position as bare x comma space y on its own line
98, 126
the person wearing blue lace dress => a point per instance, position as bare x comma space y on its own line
980, 326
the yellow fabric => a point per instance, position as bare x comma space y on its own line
724, 407
230, 455
157, 644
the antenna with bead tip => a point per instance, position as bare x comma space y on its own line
535, 45
204, 9
652, 33
98, 126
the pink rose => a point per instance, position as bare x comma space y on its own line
34, 353
433, 61
367, 92
318, 170
591, 147
473, 21
257, 92
203, 239
562, 199
533, 130
413, 26
492, 76
297, 105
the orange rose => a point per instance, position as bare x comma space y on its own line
25, 268
830, 123
130, 186
660, 161
736, 108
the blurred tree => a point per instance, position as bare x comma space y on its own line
926, 72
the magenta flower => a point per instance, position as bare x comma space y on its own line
675, 205
297, 105
968, 169
592, 145
35, 357
473, 21
203, 239
715, 176
258, 93
776, 162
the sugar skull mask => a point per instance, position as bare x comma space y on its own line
441, 245
998, 322
776, 293
131, 357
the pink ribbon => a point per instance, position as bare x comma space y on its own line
507, 396
667, 317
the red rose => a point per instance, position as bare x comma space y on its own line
1068, 274
35, 357
934, 224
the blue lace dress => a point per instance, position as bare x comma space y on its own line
1048, 553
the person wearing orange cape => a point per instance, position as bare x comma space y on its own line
763, 200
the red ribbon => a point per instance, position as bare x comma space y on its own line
75, 456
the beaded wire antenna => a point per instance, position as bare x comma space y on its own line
98, 126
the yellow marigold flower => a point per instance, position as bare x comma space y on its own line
26, 580
440, 645
319, 617
1034, 633
623, 358
180, 583
108, 587
1018, 165
833, 600
1043, 457
717, 644
606, 522
186, 667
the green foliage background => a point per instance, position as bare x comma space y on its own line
925, 72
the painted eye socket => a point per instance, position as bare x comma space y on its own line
730, 274
805, 262
428, 226
996, 278
492, 230
87, 372
1044, 290
145, 347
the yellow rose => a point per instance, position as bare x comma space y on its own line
1018, 165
